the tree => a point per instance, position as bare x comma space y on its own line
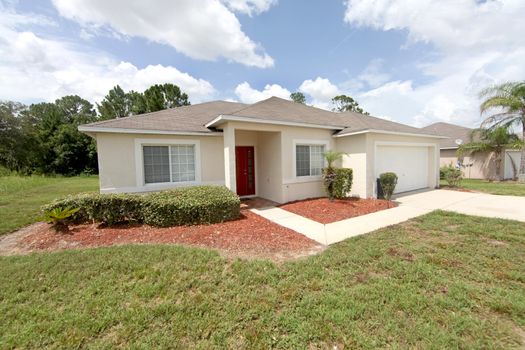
494, 140
57, 147
13, 146
344, 103
298, 97
114, 105
159, 97
506, 105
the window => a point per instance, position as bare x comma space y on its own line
169, 163
309, 160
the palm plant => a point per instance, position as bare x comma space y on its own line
506, 103
332, 157
494, 140
329, 175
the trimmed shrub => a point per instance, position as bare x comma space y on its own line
342, 183
183, 206
337, 182
388, 183
191, 206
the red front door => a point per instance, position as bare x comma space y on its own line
245, 165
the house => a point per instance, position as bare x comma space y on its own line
474, 166
272, 149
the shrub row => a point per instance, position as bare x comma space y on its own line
182, 206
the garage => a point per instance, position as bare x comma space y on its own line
410, 163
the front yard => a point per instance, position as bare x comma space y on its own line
439, 281
508, 188
22, 197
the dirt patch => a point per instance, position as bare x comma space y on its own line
404, 255
251, 236
325, 211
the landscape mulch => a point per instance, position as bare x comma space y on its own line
325, 211
251, 236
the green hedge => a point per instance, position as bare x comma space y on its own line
182, 206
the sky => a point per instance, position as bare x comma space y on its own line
412, 61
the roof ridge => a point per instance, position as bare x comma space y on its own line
102, 122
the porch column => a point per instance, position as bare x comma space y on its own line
229, 158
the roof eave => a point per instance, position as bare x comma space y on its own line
377, 131
90, 130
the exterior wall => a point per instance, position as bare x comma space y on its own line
374, 138
269, 180
355, 158
118, 164
475, 166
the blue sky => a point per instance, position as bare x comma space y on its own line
412, 62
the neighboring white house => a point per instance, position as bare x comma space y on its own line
475, 166
271, 149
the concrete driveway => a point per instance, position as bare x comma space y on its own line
470, 203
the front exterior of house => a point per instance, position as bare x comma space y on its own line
271, 149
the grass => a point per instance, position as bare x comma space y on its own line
507, 188
21, 197
443, 280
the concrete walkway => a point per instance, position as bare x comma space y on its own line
410, 206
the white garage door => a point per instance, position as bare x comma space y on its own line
409, 163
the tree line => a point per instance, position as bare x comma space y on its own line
43, 138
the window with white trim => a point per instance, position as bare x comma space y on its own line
309, 160
174, 163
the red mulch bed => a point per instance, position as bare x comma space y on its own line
249, 236
325, 211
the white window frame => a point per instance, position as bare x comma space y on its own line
296, 143
139, 162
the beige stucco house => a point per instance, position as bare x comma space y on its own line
271, 149
474, 166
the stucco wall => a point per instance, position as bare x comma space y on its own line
117, 163
355, 158
475, 166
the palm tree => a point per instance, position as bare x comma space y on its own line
506, 103
494, 140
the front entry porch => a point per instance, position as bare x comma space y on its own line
253, 162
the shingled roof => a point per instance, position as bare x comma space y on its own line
452, 131
201, 118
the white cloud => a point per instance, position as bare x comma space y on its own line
478, 43
249, 7
247, 94
201, 29
321, 91
35, 68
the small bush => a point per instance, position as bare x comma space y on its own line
184, 206
388, 183
342, 183
453, 176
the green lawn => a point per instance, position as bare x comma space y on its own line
501, 188
441, 281
21, 197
